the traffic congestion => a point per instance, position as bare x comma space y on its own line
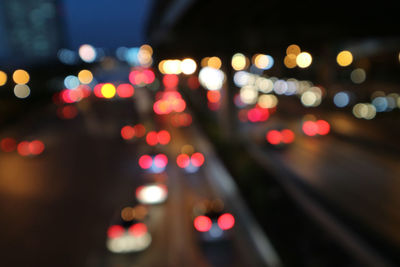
272, 153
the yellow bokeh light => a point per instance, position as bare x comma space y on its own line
127, 214
293, 49
267, 101
344, 58
146, 48
3, 78
253, 58
172, 66
187, 149
303, 60
290, 61
188, 66
21, 77
248, 94
214, 62
85, 76
161, 66
145, 58
239, 61
261, 61
145, 55
204, 62
140, 212
108, 90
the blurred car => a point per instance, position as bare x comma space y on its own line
211, 221
314, 127
279, 137
152, 162
190, 162
130, 233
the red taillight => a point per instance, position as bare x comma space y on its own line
183, 160
138, 229
323, 127
141, 77
149, 76
274, 137
163, 137
85, 89
135, 77
23, 148
160, 161
170, 80
180, 105
125, 90
97, 90
145, 162
258, 114
161, 107
152, 138
67, 112
310, 128
140, 130
115, 231
197, 159
36, 147
287, 136
127, 132
202, 223
226, 221
8, 144
213, 96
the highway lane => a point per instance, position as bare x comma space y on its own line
198, 187
57, 206
175, 242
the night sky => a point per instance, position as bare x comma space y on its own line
101, 23
106, 23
